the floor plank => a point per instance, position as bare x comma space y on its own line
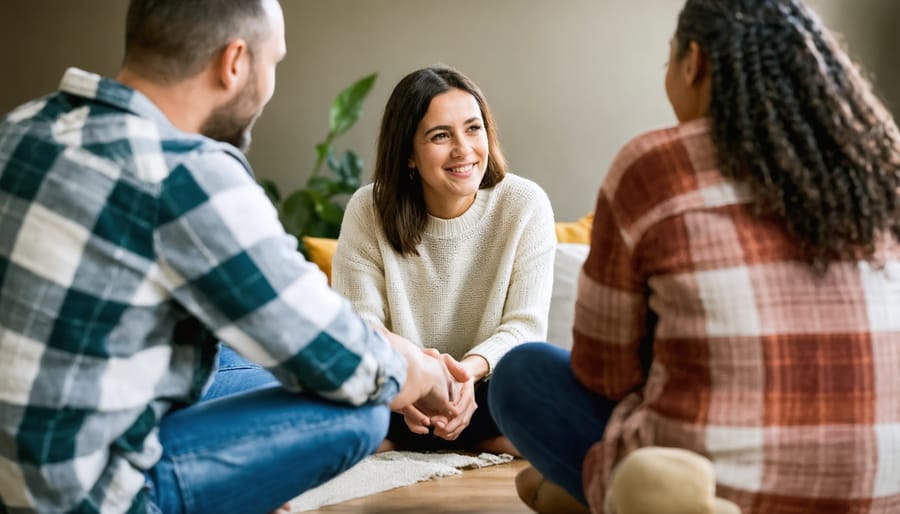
488, 490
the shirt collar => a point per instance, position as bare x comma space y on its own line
89, 85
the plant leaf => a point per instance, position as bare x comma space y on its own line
321, 228
343, 188
271, 190
351, 166
297, 211
320, 184
323, 149
347, 106
329, 211
333, 163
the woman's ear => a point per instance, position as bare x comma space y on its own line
696, 65
233, 64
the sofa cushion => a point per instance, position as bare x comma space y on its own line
569, 259
320, 251
575, 231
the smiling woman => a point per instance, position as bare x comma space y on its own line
429, 110
461, 257
450, 153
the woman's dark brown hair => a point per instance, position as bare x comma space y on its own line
793, 117
398, 194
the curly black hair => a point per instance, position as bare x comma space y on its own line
794, 118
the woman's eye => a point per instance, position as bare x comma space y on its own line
474, 128
440, 136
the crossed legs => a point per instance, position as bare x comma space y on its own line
549, 417
250, 445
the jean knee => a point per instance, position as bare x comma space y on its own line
374, 421
525, 358
515, 367
510, 377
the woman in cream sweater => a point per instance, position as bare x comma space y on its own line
447, 249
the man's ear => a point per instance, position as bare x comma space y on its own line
233, 64
696, 64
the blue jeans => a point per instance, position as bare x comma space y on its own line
546, 413
250, 446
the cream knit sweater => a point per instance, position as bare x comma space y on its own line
480, 285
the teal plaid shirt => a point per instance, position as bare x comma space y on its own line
127, 249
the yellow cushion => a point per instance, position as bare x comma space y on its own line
575, 231
320, 251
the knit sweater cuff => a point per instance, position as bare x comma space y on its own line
492, 350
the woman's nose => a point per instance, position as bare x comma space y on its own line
459, 148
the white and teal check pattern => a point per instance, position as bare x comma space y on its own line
127, 249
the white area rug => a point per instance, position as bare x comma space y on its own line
390, 470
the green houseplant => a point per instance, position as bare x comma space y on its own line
318, 208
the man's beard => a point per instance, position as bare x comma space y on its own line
233, 121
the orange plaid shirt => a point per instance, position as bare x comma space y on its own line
703, 321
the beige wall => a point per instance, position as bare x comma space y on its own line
569, 80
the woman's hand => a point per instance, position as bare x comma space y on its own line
467, 372
417, 422
414, 414
420, 423
465, 405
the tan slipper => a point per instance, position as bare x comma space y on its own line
545, 497
658, 480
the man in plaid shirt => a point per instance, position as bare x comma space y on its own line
132, 238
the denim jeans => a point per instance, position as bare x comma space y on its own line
250, 446
546, 413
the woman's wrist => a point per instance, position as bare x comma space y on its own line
477, 366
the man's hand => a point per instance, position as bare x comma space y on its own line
429, 384
459, 373
417, 422
435, 403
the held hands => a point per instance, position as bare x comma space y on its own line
416, 416
464, 401
446, 389
439, 391
465, 374
429, 389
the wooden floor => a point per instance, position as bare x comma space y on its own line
484, 491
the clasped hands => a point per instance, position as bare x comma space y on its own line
426, 415
439, 393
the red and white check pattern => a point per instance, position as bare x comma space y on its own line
788, 381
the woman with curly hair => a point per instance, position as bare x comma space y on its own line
742, 294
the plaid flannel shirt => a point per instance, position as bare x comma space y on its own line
127, 247
701, 319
